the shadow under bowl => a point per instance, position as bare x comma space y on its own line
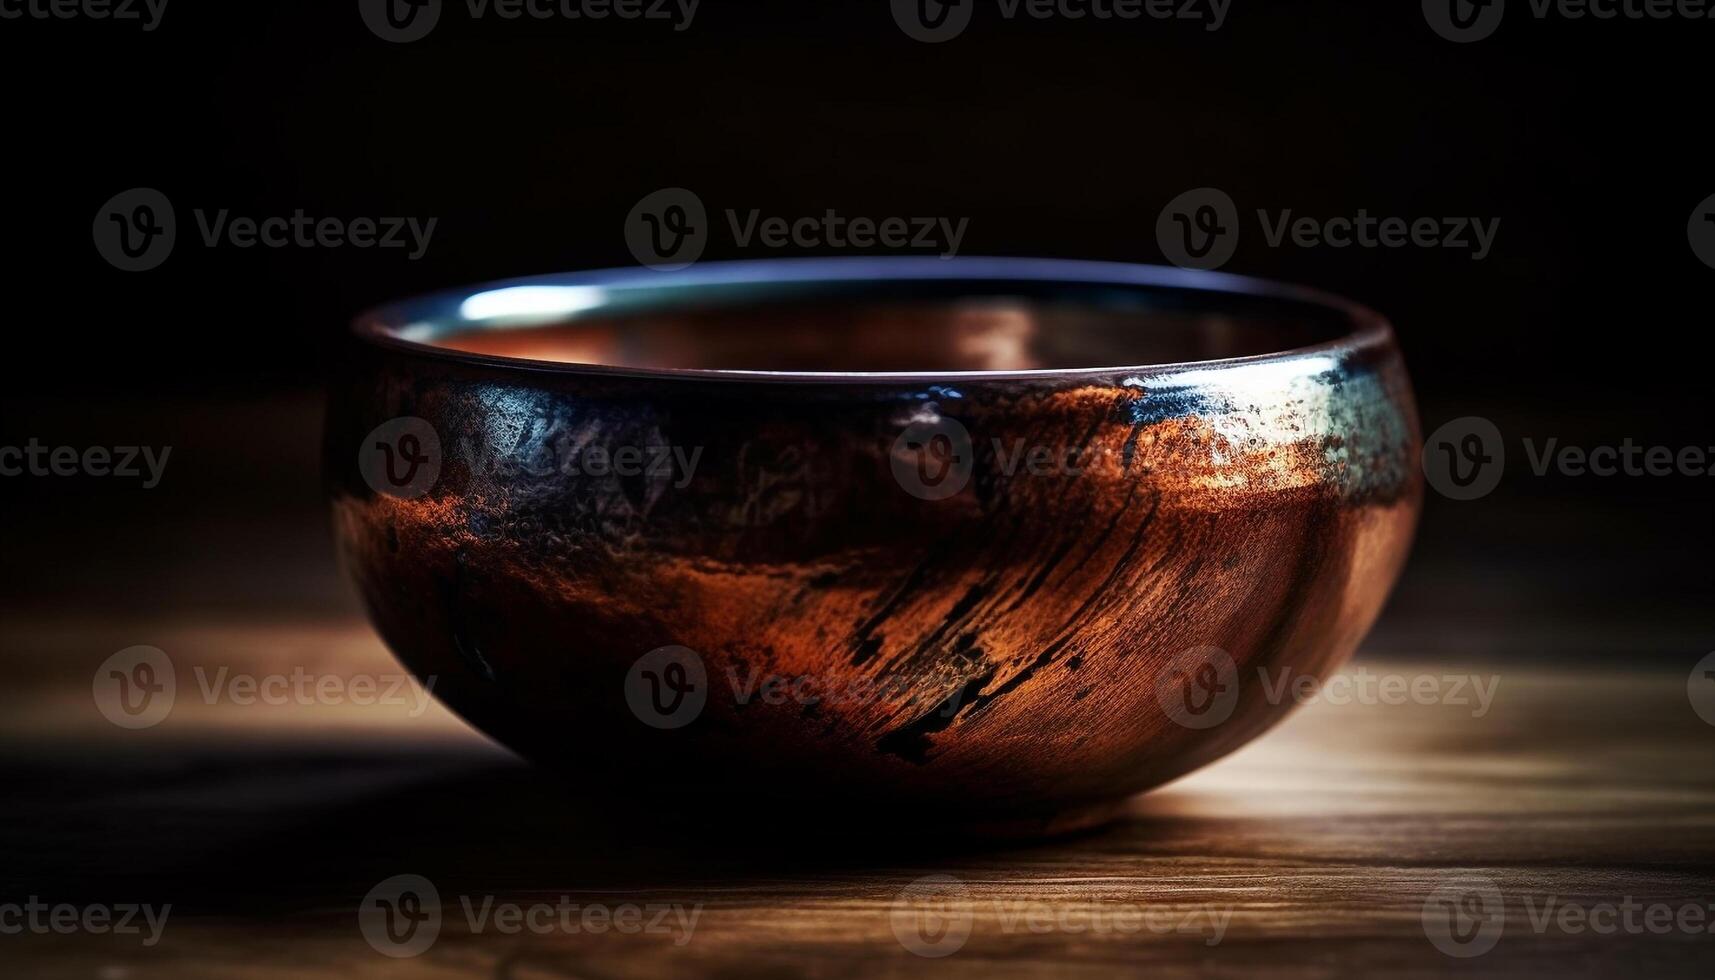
982, 543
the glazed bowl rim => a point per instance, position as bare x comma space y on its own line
407, 325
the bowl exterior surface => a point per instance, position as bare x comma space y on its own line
982, 595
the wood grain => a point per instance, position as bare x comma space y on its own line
1315, 849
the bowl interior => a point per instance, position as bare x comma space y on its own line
873, 325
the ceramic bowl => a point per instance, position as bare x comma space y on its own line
991, 542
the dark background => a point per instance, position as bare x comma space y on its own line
531, 141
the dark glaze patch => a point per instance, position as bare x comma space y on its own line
911, 742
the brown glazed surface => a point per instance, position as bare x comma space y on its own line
1011, 654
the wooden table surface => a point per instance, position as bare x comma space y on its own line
1313, 852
